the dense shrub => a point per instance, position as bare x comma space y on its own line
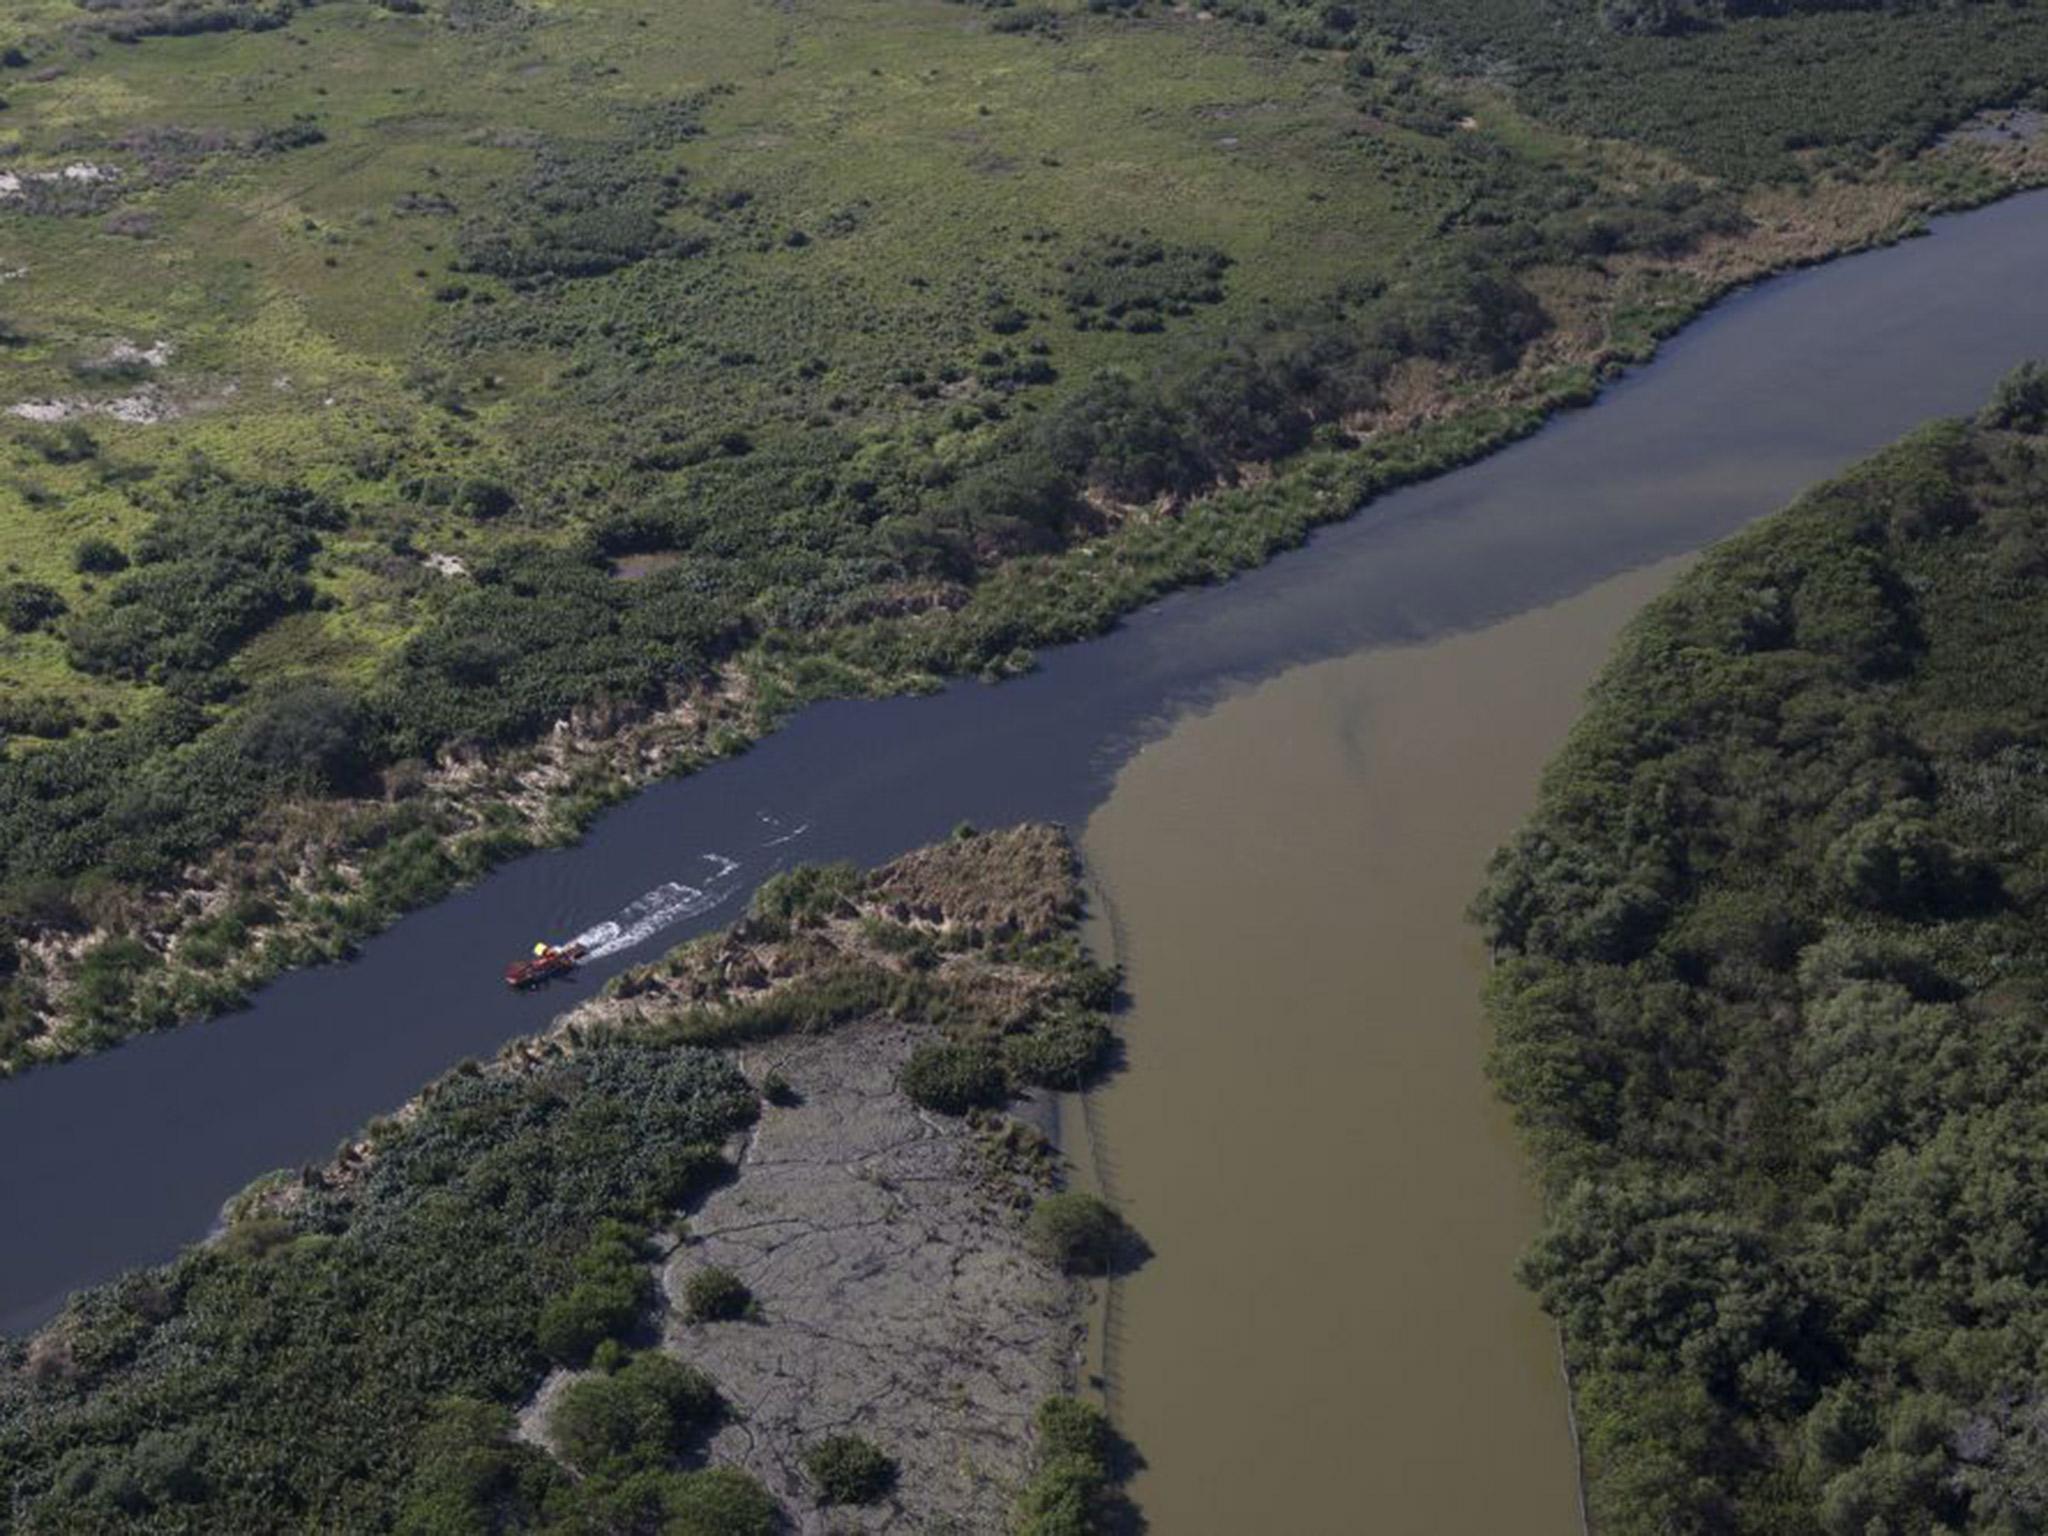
1079, 1233
714, 1295
845, 1469
2020, 403
1740, 90
805, 897
718, 1501
612, 1291
308, 1362
1080, 1460
1065, 1052
952, 1077
307, 730
542, 632
640, 1418
107, 977
222, 562
29, 605
1771, 971
1067, 1426
1135, 282
39, 714
98, 557
583, 210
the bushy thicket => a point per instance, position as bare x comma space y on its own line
1136, 283
845, 1469
714, 1295
583, 210
223, 560
542, 631
29, 605
1080, 1233
1080, 1461
129, 21
1736, 89
332, 1362
1769, 1005
473, 1476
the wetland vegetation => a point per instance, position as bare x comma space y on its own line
351, 1350
1768, 1009
352, 350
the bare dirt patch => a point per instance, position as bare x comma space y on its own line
898, 1298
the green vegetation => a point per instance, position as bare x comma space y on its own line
1081, 1459
348, 1354
1768, 1010
714, 1295
1080, 1233
345, 1355
1739, 89
611, 1292
638, 1418
846, 1469
860, 948
955, 1076
379, 343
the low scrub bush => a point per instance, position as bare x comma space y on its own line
639, 1418
714, 1295
845, 1469
952, 1077
1080, 1233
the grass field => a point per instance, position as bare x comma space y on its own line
939, 170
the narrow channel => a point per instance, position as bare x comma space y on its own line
1305, 1135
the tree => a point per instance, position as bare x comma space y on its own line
2021, 401
311, 732
98, 557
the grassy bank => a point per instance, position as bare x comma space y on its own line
358, 354
1768, 1013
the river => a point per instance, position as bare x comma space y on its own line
1304, 1134
119, 1159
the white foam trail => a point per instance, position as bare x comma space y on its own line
787, 837
663, 907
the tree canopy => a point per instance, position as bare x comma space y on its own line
1769, 1004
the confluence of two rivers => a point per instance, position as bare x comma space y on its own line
1288, 785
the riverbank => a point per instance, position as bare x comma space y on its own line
1768, 1003
528, 1232
314, 879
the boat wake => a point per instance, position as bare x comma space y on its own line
666, 905
676, 901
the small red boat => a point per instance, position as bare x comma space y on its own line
546, 963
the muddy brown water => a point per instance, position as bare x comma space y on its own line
1329, 1337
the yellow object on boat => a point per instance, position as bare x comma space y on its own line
540, 949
